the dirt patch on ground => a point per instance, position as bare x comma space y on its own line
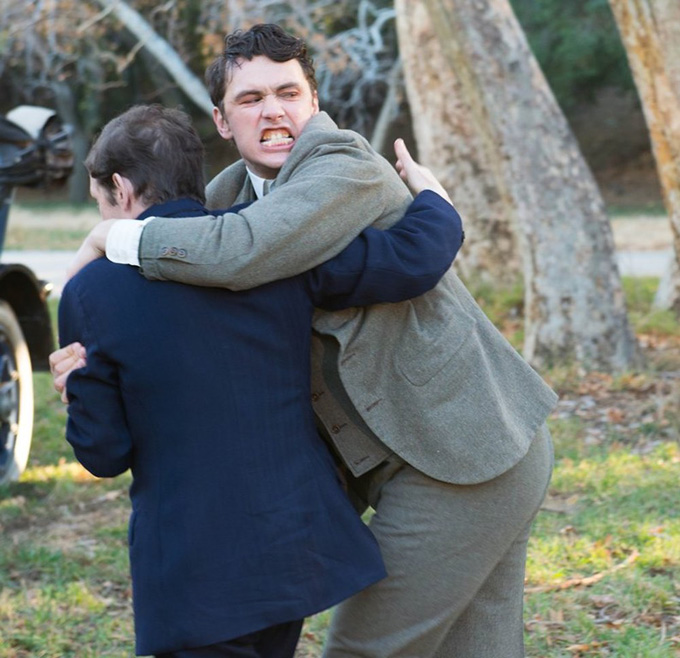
642, 233
70, 527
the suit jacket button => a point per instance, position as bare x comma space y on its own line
335, 429
182, 253
164, 251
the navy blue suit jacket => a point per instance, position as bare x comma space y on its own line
238, 519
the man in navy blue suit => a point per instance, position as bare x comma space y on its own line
239, 527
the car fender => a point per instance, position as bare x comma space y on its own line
27, 295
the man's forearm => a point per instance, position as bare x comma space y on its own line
117, 239
93, 247
329, 198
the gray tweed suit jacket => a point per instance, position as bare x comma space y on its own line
430, 379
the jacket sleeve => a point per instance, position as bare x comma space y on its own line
399, 263
96, 427
332, 194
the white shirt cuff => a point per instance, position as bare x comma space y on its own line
122, 242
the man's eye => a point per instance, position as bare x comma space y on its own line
249, 100
289, 94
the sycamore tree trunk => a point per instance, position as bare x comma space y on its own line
650, 30
487, 122
458, 142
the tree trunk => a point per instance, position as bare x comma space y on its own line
79, 180
456, 140
650, 30
487, 122
389, 109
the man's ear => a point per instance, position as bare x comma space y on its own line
124, 192
221, 124
315, 103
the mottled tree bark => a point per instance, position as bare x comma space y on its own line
650, 30
457, 140
487, 123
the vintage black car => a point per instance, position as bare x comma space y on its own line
35, 150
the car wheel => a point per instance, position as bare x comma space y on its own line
16, 397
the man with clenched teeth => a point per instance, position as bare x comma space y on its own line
437, 419
227, 553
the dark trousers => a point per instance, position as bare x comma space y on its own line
273, 642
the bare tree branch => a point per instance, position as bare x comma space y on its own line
162, 50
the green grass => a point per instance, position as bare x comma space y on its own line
64, 588
505, 308
48, 225
19, 238
622, 212
645, 319
64, 585
620, 504
603, 570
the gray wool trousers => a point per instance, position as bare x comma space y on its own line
455, 557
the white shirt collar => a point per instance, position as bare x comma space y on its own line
257, 183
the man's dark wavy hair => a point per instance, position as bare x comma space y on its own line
266, 39
156, 148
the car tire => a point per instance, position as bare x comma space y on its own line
16, 397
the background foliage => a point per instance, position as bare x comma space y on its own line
577, 45
76, 57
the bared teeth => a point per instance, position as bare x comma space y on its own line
276, 137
